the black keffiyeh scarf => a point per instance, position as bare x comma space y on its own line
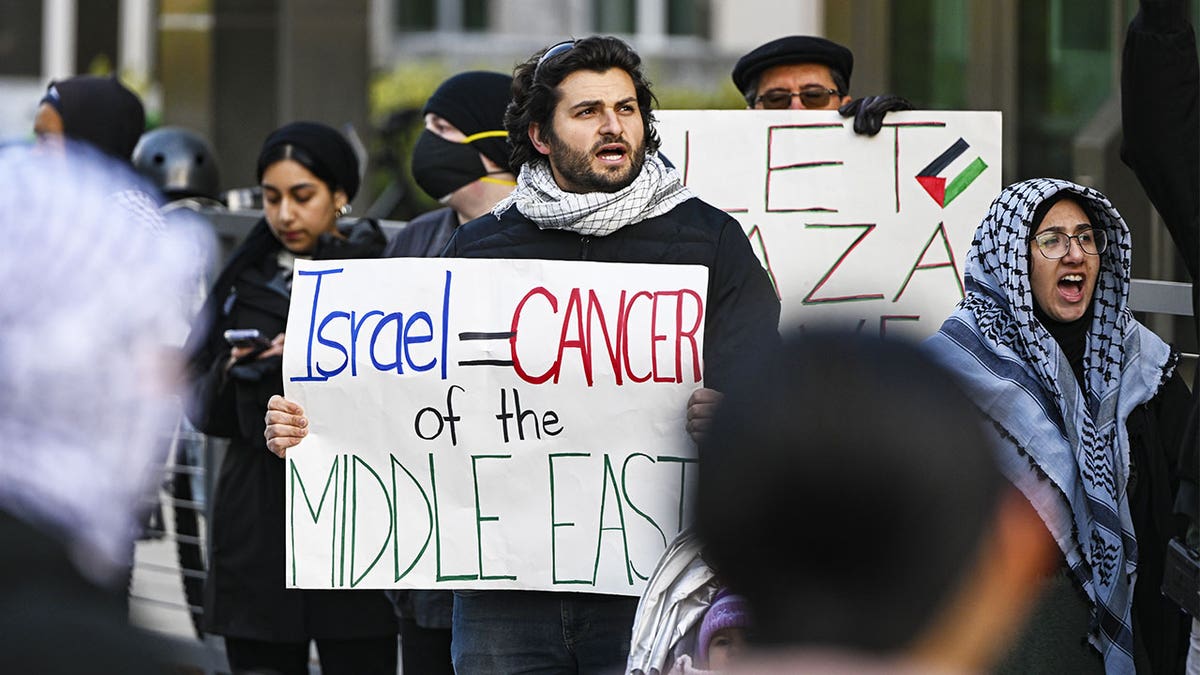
1063, 440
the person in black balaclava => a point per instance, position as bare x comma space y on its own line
96, 110
460, 159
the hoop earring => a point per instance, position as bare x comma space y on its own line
344, 211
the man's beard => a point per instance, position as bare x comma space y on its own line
576, 167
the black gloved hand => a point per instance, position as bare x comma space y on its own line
868, 111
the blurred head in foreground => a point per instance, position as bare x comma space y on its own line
852, 499
84, 375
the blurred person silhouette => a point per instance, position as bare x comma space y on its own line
1161, 143
101, 114
83, 384
460, 159
1087, 412
105, 115
95, 110
848, 492
308, 173
183, 166
806, 72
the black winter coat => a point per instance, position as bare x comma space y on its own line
1160, 118
245, 594
743, 310
742, 322
424, 236
55, 622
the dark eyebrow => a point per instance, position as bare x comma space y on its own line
1061, 229
598, 102
297, 186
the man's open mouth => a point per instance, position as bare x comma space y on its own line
612, 152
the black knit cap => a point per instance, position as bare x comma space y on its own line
474, 101
792, 49
336, 163
100, 111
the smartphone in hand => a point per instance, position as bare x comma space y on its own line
247, 337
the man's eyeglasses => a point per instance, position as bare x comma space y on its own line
810, 97
1055, 245
552, 52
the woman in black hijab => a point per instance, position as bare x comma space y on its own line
309, 174
97, 110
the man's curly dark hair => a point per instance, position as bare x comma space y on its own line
535, 91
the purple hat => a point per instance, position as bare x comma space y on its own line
727, 611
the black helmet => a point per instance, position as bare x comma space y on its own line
179, 161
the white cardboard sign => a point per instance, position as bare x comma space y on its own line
489, 424
867, 233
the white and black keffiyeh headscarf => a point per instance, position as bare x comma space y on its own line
88, 391
1065, 448
655, 191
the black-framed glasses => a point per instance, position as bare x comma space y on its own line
1054, 245
553, 51
810, 97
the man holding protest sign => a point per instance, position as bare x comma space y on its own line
804, 72
592, 186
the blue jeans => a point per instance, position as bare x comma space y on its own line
540, 633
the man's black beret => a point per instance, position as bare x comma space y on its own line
792, 49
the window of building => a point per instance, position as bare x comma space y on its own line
1065, 60
21, 37
416, 15
614, 16
475, 15
688, 17
929, 52
419, 16
96, 38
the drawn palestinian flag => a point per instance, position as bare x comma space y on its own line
942, 192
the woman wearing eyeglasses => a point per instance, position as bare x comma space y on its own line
1088, 411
